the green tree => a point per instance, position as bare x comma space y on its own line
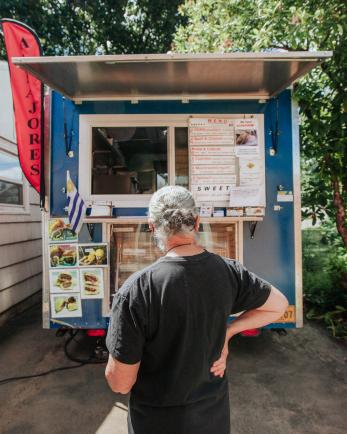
303, 25
73, 27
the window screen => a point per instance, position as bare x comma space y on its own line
129, 160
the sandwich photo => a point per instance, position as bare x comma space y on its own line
63, 255
64, 280
92, 283
91, 289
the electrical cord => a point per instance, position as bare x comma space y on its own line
90, 360
80, 362
41, 374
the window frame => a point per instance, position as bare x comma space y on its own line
7, 208
87, 122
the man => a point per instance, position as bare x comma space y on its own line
168, 339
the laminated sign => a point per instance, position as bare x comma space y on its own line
226, 166
212, 159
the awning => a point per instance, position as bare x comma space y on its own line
172, 76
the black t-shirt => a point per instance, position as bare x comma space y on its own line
172, 316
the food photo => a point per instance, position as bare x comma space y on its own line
92, 254
92, 283
66, 280
59, 230
63, 306
62, 255
246, 137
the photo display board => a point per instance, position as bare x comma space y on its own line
76, 270
226, 162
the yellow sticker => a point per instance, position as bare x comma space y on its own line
288, 316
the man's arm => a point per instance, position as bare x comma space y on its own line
121, 376
274, 307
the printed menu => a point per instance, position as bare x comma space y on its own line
226, 166
212, 159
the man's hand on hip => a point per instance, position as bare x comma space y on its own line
219, 366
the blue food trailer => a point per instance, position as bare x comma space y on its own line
122, 126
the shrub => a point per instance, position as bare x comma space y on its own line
325, 278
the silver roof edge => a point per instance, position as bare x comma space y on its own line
174, 76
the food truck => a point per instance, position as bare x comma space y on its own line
122, 126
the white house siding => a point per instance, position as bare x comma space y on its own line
20, 226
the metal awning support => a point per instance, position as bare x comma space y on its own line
172, 76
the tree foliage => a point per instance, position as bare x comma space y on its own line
325, 278
73, 27
303, 25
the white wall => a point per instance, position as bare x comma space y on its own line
20, 227
7, 130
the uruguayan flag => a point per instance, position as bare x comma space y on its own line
75, 205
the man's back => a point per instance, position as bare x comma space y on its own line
172, 316
189, 301
168, 335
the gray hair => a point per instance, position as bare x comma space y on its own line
172, 210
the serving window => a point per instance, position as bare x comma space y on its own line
124, 159
129, 160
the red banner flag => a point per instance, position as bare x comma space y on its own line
27, 93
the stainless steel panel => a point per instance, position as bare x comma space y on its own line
172, 76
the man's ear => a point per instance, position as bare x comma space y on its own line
197, 223
150, 225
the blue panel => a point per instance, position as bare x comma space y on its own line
171, 107
270, 254
138, 212
60, 162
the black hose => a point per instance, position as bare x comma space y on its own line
80, 362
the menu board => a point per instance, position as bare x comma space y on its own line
226, 162
212, 159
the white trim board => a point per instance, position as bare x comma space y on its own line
297, 216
